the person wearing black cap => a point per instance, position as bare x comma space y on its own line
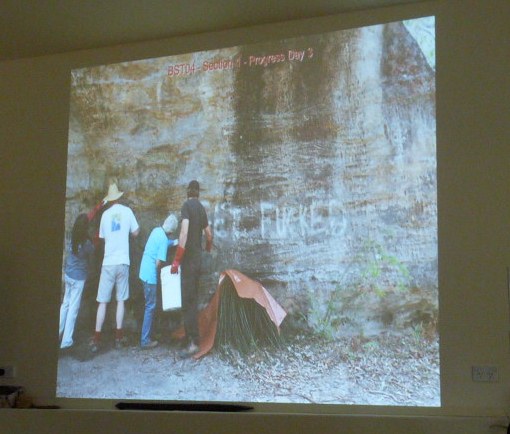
194, 222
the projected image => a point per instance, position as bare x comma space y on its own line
256, 224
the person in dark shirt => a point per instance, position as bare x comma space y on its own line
194, 222
77, 265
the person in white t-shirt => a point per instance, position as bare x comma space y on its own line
117, 224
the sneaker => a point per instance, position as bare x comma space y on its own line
66, 350
149, 345
189, 351
120, 342
93, 346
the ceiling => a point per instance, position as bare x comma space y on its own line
30, 28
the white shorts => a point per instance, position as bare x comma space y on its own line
113, 275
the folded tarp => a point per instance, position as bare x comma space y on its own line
246, 288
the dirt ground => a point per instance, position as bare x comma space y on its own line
393, 370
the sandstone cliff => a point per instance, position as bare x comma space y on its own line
317, 158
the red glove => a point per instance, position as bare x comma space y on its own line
177, 260
92, 213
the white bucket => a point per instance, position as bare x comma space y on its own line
170, 289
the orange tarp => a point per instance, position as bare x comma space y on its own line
246, 288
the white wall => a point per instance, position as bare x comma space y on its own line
473, 99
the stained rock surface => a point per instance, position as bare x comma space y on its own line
316, 157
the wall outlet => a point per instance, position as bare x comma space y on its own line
7, 371
485, 374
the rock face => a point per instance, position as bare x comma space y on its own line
316, 157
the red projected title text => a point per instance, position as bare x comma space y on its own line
185, 69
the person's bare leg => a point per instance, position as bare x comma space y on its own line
101, 314
119, 333
120, 314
